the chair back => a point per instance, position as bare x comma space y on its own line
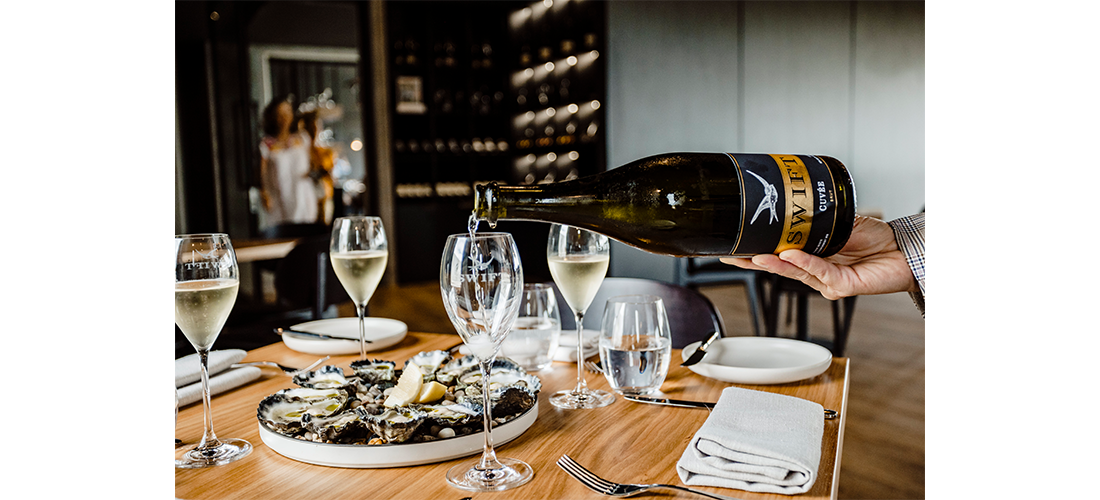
304, 272
691, 315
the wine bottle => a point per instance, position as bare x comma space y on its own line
696, 204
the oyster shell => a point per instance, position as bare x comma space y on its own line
340, 427
503, 374
447, 374
430, 362
325, 377
512, 400
375, 370
453, 414
283, 410
395, 425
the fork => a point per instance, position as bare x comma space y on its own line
286, 369
601, 485
594, 367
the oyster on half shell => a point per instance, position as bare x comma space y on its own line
375, 370
325, 377
394, 425
430, 362
283, 410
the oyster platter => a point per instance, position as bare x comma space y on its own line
430, 410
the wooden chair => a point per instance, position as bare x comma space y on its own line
798, 294
695, 272
691, 316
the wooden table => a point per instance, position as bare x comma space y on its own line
265, 249
626, 441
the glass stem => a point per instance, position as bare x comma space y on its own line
209, 440
361, 311
582, 386
488, 455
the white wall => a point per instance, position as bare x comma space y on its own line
844, 79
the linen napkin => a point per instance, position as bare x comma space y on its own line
756, 441
188, 374
188, 370
224, 381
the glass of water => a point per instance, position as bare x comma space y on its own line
635, 343
534, 337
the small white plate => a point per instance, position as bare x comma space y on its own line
382, 333
760, 360
393, 455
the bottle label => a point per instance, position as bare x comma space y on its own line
788, 202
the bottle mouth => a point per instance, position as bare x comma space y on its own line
484, 200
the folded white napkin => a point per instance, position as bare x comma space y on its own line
567, 345
188, 370
219, 383
189, 375
756, 441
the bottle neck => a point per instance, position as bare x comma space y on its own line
493, 202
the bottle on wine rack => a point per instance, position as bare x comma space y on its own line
696, 204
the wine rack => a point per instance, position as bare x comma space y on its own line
511, 92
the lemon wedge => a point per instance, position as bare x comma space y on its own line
408, 387
432, 391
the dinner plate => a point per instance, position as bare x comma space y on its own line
760, 360
393, 455
567, 345
382, 333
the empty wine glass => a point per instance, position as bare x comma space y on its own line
481, 280
578, 261
206, 288
359, 251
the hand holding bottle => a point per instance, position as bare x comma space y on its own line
870, 263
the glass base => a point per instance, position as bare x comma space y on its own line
570, 400
468, 477
228, 450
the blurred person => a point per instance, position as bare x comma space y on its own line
880, 257
286, 188
321, 162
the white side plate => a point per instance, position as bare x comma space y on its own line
760, 360
393, 455
382, 333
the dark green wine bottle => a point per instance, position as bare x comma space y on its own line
696, 204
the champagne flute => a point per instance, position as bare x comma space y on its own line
481, 280
206, 288
359, 252
578, 261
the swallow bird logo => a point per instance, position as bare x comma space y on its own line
771, 195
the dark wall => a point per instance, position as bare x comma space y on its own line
305, 23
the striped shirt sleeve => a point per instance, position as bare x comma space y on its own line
909, 232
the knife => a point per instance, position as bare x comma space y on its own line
670, 402
309, 335
697, 356
829, 414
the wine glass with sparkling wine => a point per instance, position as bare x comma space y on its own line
578, 262
359, 252
481, 280
206, 288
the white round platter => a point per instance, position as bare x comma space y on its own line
382, 332
394, 455
760, 360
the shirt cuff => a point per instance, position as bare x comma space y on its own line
909, 233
